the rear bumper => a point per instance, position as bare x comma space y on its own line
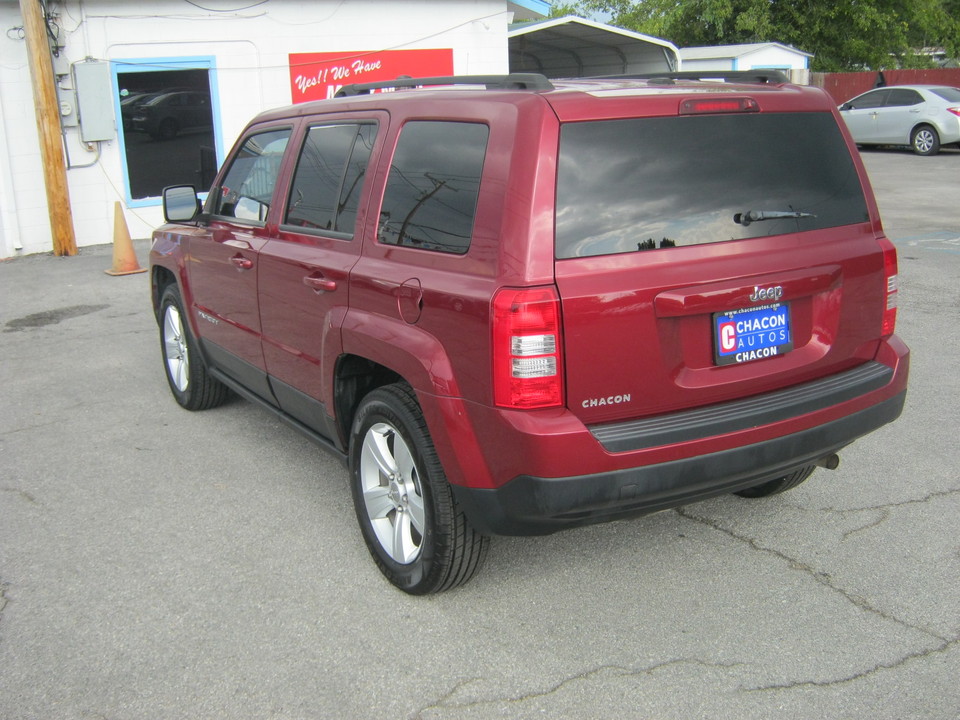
537, 506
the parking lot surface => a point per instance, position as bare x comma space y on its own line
156, 563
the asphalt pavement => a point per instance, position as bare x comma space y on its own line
156, 563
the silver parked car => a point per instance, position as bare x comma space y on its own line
922, 116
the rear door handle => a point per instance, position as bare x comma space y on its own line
320, 284
241, 262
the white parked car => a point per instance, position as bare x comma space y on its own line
921, 116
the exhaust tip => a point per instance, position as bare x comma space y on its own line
830, 462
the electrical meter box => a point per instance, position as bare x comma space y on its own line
92, 82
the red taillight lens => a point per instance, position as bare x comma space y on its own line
954, 110
527, 358
890, 288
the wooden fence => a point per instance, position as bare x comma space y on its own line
843, 86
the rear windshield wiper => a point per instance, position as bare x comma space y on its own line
752, 216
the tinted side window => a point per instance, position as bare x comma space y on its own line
353, 178
431, 194
651, 183
903, 98
247, 189
326, 186
870, 100
948, 93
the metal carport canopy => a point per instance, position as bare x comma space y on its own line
574, 47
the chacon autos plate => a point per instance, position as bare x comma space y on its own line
741, 336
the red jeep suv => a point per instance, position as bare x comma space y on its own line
515, 305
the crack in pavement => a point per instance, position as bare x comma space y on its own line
22, 493
886, 506
823, 578
3, 598
616, 670
883, 517
919, 655
883, 510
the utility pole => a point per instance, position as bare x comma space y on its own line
48, 128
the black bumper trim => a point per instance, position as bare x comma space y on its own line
539, 506
742, 414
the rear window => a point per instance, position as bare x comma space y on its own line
949, 94
653, 183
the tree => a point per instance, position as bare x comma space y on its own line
564, 9
842, 35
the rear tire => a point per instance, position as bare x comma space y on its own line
925, 140
191, 385
411, 523
168, 129
774, 487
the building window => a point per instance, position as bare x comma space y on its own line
167, 128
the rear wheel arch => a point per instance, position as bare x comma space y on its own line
378, 352
355, 377
925, 139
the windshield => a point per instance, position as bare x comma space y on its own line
653, 183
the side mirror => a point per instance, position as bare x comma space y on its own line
180, 203
846, 106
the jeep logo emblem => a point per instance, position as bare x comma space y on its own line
770, 293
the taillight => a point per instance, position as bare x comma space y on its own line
890, 289
701, 106
527, 356
954, 110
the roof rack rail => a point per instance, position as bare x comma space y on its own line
513, 81
762, 76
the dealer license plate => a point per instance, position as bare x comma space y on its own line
752, 334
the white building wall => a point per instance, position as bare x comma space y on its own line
707, 63
744, 57
250, 50
772, 57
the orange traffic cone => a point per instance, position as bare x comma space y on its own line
124, 259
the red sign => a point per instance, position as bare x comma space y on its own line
317, 76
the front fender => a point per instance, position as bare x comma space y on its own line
169, 251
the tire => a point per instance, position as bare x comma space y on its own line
774, 487
924, 140
168, 129
191, 385
410, 521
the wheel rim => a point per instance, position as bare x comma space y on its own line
392, 494
923, 141
175, 348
